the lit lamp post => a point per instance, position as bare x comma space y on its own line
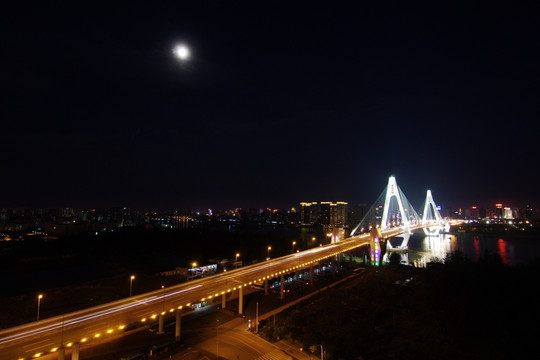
268, 253
237, 255
193, 265
40, 296
131, 284
293, 244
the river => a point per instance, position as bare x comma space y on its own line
422, 249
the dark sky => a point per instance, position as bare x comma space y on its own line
279, 103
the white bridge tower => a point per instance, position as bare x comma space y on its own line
392, 190
431, 216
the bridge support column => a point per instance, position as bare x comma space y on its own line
223, 300
178, 325
266, 287
75, 351
282, 287
160, 324
61, 353
311, 275
240, 300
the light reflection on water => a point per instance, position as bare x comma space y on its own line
424, 249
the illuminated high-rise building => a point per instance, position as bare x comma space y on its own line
308, 213
338, 214
334, 214
499, 210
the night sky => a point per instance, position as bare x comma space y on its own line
278, 103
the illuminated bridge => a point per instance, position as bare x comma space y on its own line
97, 324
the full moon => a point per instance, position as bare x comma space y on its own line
181, 52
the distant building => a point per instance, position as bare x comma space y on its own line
308, 213
334, 214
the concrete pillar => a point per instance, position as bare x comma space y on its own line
223, 300
160, 324
178, 325
61, 353
240, 301
311, 275
281, 295
75, 351
266, 287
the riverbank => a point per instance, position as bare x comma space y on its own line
462, 309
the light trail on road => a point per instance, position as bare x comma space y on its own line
112, 318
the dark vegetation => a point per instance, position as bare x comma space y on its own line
88, 269
459, 310
33, 265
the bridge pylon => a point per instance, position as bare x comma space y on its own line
431, 216
392, 191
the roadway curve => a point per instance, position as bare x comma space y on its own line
99, 323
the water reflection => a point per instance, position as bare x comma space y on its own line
502, 252
419, 253
421, 249
476, 248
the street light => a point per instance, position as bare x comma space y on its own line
193, 265
40, 296
131, 284
268, 253
293, 243
237, 255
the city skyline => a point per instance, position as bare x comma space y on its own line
220, 105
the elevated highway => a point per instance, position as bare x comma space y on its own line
96, 324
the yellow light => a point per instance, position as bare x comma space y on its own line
121, 327
209, 296
202, 299
180, 307
143, 319
228, 290
163, 313
97, 335
188, 304
171, 310
109, 331
223, 292
153, 316
69, 344
54, 349
37, 355
84, 339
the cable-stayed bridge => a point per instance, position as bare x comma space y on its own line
392, 210
391, 215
